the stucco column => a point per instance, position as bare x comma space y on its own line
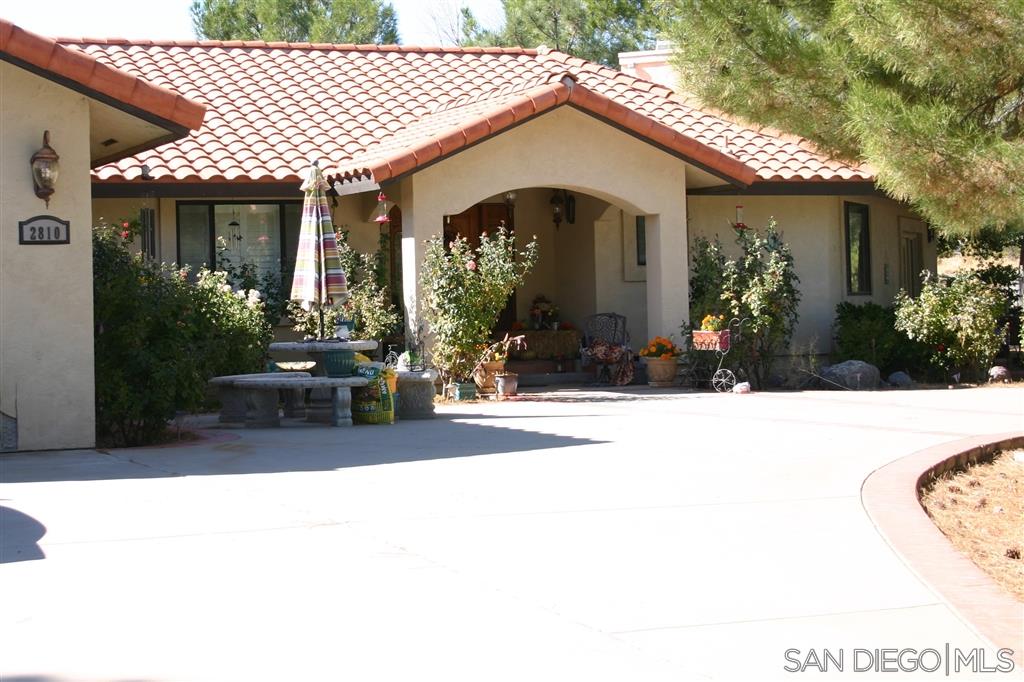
668, 287
421, 219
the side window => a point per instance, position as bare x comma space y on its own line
147, 218
858, 249
641, 240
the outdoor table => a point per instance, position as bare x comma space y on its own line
319, 408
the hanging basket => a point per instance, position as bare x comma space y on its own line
704, 340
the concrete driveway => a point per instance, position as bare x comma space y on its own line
619, 535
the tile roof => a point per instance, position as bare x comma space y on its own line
47, 55
381, 111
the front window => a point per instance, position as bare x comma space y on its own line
858, 249
262, 236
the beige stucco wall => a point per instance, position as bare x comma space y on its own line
46, 311
613, 294
564, 148
813, 228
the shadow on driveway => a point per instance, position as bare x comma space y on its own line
296, 446
19, 538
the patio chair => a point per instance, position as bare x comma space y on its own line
606, 344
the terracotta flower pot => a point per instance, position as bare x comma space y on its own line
484, 377
661, 373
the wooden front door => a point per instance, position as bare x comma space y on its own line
469, 225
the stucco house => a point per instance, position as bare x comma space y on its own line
448, 133
94, 115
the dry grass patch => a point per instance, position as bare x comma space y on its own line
981, 511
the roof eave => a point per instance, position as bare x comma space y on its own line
540, 100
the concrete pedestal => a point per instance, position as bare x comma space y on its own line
417, 394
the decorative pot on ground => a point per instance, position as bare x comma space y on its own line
709, 340
462, 391
661, 373
484, 376
506, 384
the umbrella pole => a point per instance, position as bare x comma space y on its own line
321, 308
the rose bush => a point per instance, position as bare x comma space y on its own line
959, 319
759, 286
464, 291
159, 337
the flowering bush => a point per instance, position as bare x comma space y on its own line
660, 347
712, 323
159, 337
369, 305
464, 292
958, 319
760, 287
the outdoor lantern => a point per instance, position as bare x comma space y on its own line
557, 201
510, 198
45, 169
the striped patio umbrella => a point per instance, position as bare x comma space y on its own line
319, 280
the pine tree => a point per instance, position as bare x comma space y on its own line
928, 92
327, 21
597, 30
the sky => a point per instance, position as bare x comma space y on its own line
170, 20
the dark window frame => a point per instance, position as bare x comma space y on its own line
641, 241
863, 274
280, 203
148, 238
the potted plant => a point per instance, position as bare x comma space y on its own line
492, 362
713, 334
660, 355
464, 291
506, 384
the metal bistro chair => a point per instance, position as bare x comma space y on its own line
609, 328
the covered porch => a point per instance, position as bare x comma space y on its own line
622, 249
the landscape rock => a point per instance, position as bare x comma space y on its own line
999, 373
853, 374
900, 380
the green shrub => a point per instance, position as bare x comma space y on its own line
270, 285
868, 332
760, 287
370, 303
959, 319
160, 337
464, 292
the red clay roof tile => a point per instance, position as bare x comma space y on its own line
378, 111
98, 76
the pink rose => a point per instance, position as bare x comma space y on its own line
471, 265
125, 234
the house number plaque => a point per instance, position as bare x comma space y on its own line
44, 229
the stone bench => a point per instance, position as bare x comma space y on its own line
232, 398
261, 398
416, 394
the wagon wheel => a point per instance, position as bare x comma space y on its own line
723, 380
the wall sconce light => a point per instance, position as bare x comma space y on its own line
557, 205
563, 205
45, 169
510, 198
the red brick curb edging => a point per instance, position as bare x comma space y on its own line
890, 497
202, 437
